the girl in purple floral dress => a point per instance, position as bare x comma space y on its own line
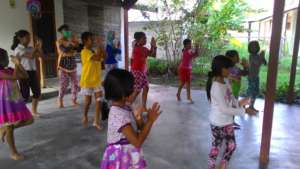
127, 130
13, 111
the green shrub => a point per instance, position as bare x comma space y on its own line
157, 67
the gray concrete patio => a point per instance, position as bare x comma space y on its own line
179, 140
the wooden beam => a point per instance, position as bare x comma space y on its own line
126, 38
271, 82
291, 92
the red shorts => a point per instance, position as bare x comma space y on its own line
185, 75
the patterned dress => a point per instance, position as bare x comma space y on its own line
12, 106
119, 153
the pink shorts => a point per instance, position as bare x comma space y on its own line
140, 80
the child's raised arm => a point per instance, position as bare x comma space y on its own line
197, 50
153, 49
138, 138
100, 51
262, 57
37, 50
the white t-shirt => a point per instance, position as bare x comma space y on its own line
28, 64
224, 105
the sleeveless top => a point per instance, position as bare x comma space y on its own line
67, 63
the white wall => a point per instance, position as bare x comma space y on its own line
11, 20
14, 19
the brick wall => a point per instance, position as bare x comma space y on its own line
96, 16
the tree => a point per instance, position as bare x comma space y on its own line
207, 23
170, 28
213, 19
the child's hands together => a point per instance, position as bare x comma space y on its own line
38, 43
16, 60
251, 112
153, 42
245, 63
244, 102
100, 42
154, 112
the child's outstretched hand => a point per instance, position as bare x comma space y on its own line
153, 42
244, 102
154, 112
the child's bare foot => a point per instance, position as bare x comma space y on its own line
97, 126
3, 134
222, 167
191, 101
17, 157
85, 122
75, 103
178, 97
36, 114
60, 103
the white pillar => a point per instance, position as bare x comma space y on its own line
121, 64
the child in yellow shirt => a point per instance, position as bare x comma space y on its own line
91, 77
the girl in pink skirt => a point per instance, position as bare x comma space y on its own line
13, 111
127, 131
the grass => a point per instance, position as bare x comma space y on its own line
202, 67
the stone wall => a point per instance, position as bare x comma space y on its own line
96, 16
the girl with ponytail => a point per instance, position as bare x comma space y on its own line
223, 107
28, 56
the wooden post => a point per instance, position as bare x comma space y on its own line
126, 38
271, 82
291, 92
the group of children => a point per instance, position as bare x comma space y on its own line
127, 126
223, 91
121, 89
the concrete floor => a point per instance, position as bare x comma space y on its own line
179, 140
